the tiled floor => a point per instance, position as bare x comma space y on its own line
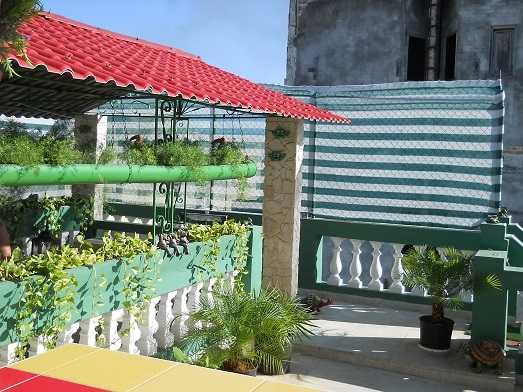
77, 368
357, 347
364, 347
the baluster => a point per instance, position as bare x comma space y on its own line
38, 345
66, 336
8, 354
335, 264
164, 336
147, 344
228, 279
397, 270
89, 331
355, 265
375, 268
131, 333
465, 296
181, 312
207, 289
193, 299
110, 329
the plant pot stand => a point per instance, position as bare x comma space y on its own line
435, 337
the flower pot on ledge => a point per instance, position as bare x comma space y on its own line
15, 175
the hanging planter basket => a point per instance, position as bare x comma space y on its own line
14, 175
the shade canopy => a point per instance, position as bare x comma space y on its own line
75, 67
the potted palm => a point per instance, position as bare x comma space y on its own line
236, 330
444, 277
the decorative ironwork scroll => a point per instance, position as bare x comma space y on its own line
171, 112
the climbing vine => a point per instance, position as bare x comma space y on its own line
48, 291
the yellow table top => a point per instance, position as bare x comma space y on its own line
76, 367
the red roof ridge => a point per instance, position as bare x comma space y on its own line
124, 37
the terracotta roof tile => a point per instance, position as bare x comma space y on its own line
63, 46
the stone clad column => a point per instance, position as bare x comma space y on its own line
281, 202
91, 129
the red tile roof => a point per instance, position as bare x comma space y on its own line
65, 46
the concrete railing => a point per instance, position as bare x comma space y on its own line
362, 258
162, 323
177, 289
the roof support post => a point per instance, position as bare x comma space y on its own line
91, 129
282, 202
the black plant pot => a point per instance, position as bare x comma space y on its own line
435, 337
251, 372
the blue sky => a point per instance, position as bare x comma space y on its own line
245, 37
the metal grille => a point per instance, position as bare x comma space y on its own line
127, 118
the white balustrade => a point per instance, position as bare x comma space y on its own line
355, 265
89, 329
38, 345
8, 354
375, 269
165, 317
67, 335
147, 344
208, 287
335, 264
180, 310
110, 329
130, 335
397, 270
382, 265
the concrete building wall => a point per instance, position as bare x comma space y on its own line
354, 42
333, 41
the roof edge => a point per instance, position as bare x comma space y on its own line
129, 38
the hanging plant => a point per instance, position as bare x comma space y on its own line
14, 211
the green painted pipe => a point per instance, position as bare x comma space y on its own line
14, 175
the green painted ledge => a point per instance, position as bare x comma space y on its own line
14, 175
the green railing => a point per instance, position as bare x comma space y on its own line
311, 243
499, 248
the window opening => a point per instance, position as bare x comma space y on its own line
501, 51
450, 57
416, 59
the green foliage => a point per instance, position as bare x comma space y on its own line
48, 292
20, 150
139, 154
181, 153
443, 277
237, 330
107, 156
59, 152
13, 13
209, 235
13, 209
231, 154
228, 154
18, 146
